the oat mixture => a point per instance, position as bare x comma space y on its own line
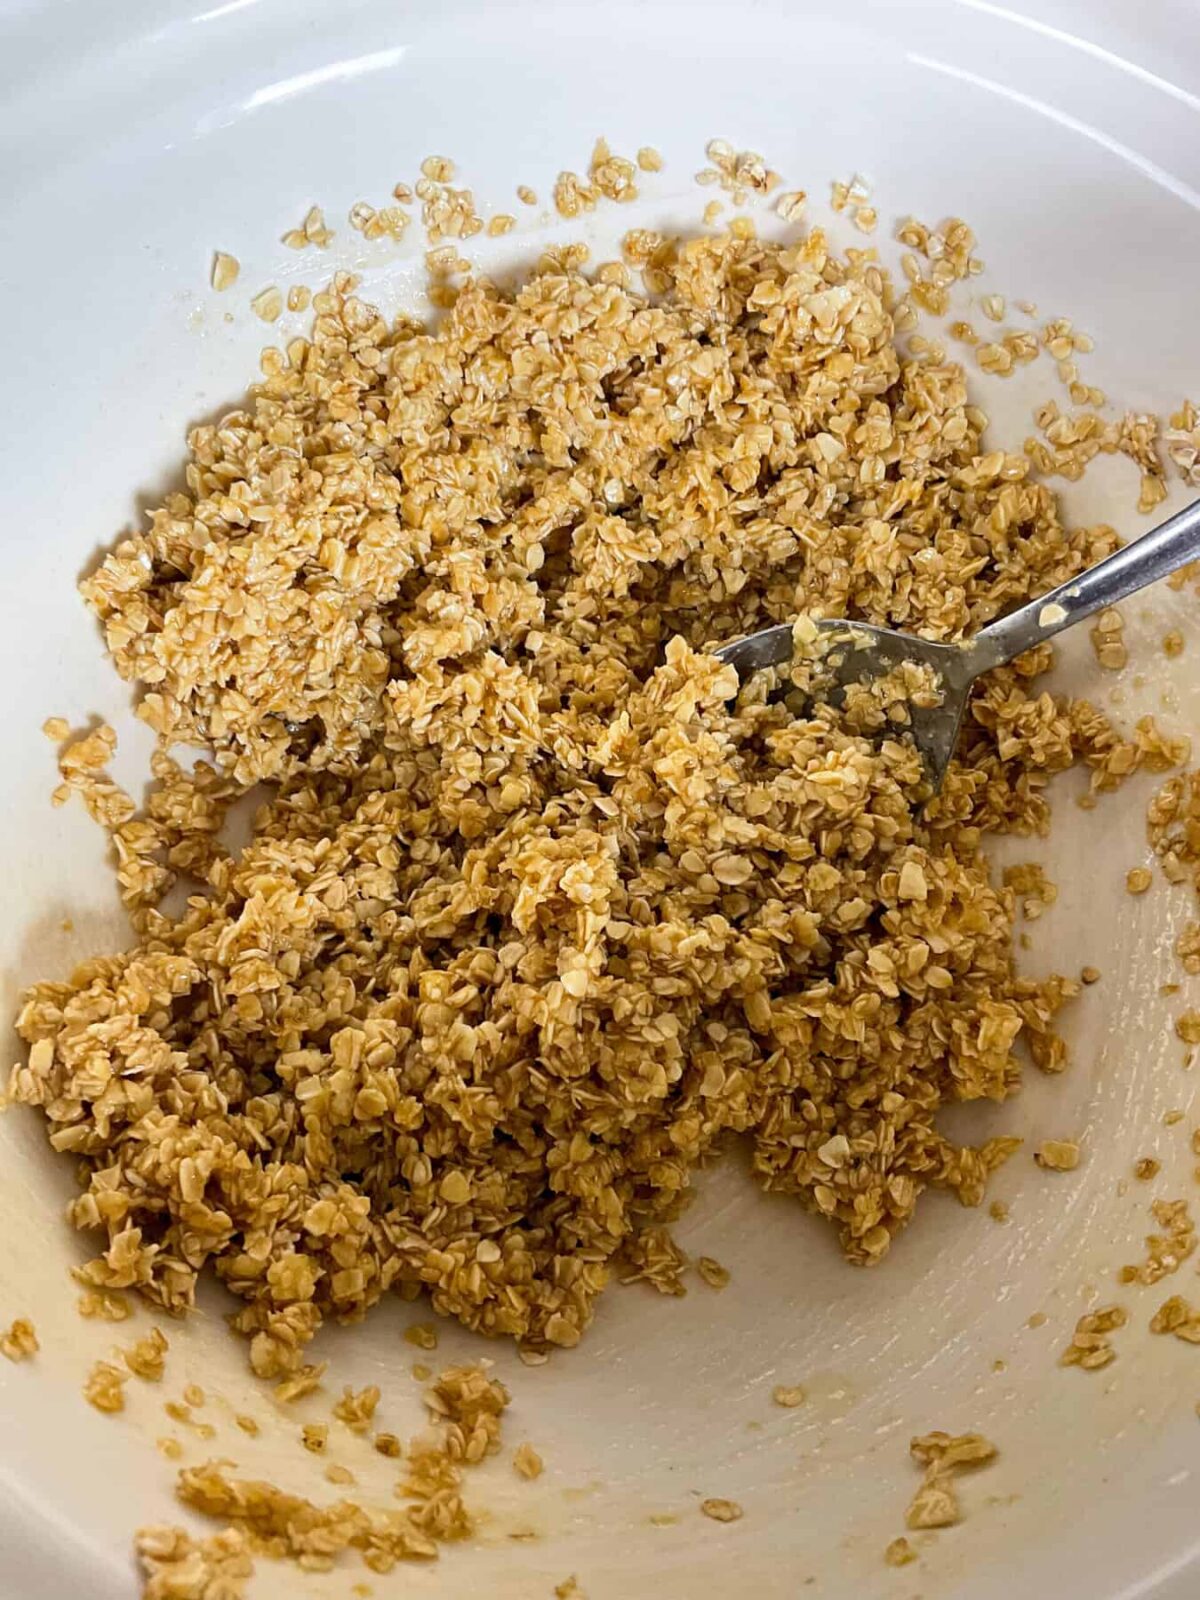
537, 908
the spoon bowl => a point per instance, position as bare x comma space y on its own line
860, 652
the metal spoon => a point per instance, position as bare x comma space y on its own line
866, 652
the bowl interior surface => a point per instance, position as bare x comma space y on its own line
138, 139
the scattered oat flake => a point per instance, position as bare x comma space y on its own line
713, 1273
1146, 1168
57, 729
899, 1553
1057, 1155
722, 1510
20, 1341
225, 269
527, 1463
335, 1472
789, 1394
1187, 1026
423, 1334
267, 304
790, 205
303, 1381
648, 159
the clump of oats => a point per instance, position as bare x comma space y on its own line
288, 1526
1168, 1249
535, 910
741, 173
177, 1566
853, 197
1187, 948
1107, 634
384, 222
147, 1357
1037, 892
612, 175
357, 1409
105, 1387
947, 252
609, 177
943, 1455
1090, 1346
471, 1405
1177, 1316
1181, 439
1173, 827
446, 212
312, 231
1070, 443
104, 1304
20, 1340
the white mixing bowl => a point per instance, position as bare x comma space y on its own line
135, 139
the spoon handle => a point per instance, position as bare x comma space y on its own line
1155, 555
